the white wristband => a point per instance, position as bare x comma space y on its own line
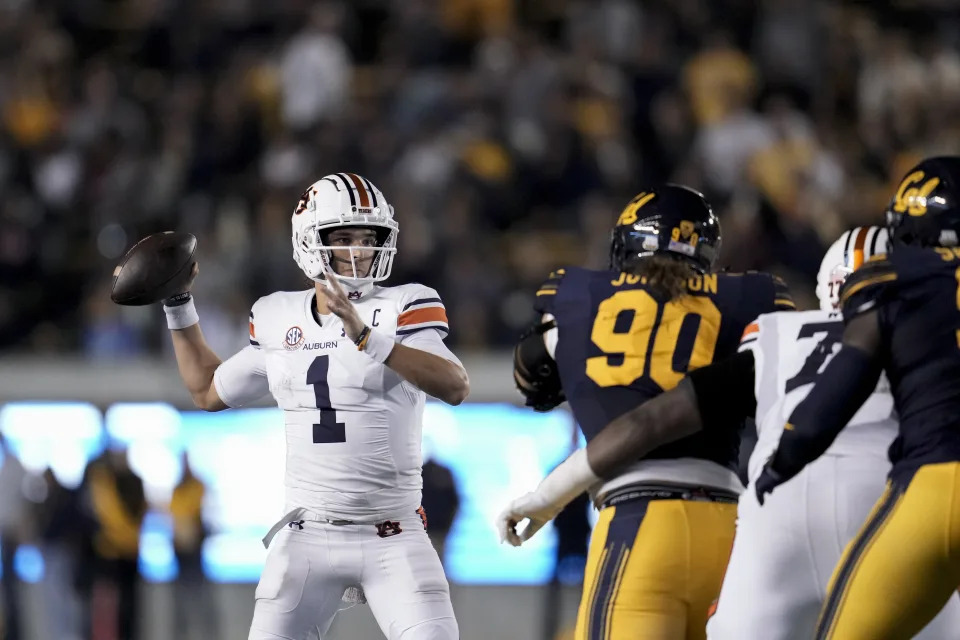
181, 316
572, 477
379, 346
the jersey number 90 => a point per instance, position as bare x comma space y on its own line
663, 340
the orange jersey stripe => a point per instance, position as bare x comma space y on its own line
361, 189
253, 334
416, 316
753, 327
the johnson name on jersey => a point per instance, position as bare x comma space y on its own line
620, 345
353, 426
790, 350
916, 293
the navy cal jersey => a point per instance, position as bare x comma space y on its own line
619, 345
916, 292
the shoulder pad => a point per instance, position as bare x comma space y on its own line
782, 300
750, 334
868, 287
259, 316
762, 293
547, 291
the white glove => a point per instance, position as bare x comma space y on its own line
532, 506
571, 478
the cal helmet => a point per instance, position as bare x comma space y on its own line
333, 202
925, 210
852, 249
670, 220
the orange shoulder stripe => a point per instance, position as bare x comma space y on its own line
416, 316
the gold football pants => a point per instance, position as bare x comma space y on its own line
654, 568
903, 566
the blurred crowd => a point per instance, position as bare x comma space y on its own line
88, 541
507, 134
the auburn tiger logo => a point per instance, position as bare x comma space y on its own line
388, 528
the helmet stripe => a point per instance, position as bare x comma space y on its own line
858, 247
873, 243
846, 244
361, 190
346, 183
373, 193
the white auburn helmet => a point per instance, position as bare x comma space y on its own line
844, 256
333, 202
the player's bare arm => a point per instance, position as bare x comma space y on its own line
436, 376
842, 388
197, 363
723, 391
162, 268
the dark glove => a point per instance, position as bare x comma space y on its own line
768, 480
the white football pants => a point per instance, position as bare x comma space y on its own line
785, 551
307, 570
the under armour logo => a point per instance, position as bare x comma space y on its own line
353, 295
296, 523
387, 529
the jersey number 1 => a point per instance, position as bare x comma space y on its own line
329, 430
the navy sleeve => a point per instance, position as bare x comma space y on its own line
869, 287
548, 291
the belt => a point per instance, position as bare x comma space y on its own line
299, 515
667, 492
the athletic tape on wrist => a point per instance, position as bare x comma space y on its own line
379, 346
181, 316
569, 479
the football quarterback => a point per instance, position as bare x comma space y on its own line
350, 362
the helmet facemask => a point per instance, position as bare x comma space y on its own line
364, 264
835, 281
368, 260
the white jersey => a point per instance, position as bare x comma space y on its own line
353, 426
790, 350
803, 526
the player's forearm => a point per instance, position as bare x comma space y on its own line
658, 421
843, 387
435, 376
197, 363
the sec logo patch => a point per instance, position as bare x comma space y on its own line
293, 339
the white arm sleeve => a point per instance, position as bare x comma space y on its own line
243, 378
550, 336
431, 341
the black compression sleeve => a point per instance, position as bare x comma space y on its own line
842, 388
725, 391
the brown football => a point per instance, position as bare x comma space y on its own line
154, 269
